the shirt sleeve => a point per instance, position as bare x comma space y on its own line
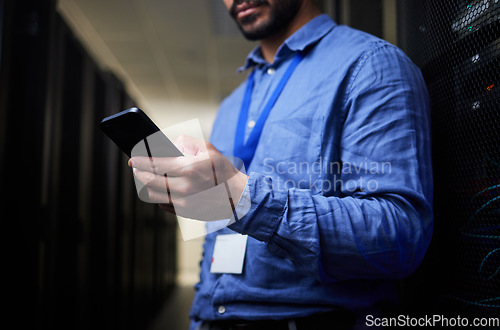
380, 224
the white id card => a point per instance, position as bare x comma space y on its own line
229, 254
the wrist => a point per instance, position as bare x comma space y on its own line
237, 184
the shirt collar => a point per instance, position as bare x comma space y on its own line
309, 34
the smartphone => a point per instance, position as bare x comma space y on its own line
137, 135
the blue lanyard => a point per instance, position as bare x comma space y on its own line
246, 151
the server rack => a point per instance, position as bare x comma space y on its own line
457, 45
81, 251
1, 28
365, 15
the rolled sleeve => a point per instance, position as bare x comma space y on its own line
262, 208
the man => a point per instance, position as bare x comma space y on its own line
333, 127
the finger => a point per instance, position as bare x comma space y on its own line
151, 180
182, 187
198, 169
159, 164
175, 186
161, 197
190, 145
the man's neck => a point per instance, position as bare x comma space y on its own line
270, 45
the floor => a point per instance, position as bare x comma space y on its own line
174, 314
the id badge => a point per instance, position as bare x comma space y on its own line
229, 254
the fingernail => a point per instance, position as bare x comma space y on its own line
130, 163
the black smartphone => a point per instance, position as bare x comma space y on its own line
137, 135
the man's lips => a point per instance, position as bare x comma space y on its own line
246, 9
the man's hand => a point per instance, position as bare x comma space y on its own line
203, 185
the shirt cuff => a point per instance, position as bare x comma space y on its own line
260, 208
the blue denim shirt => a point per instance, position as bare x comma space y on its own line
340, 186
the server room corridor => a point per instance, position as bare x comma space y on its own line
174, 313
82, 251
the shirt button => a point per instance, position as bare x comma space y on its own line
221, 309
251, 124
271, 71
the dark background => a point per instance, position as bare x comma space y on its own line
81, 251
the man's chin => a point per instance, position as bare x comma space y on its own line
248, 29
252, 34
254, 31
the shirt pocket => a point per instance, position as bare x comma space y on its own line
289, 150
